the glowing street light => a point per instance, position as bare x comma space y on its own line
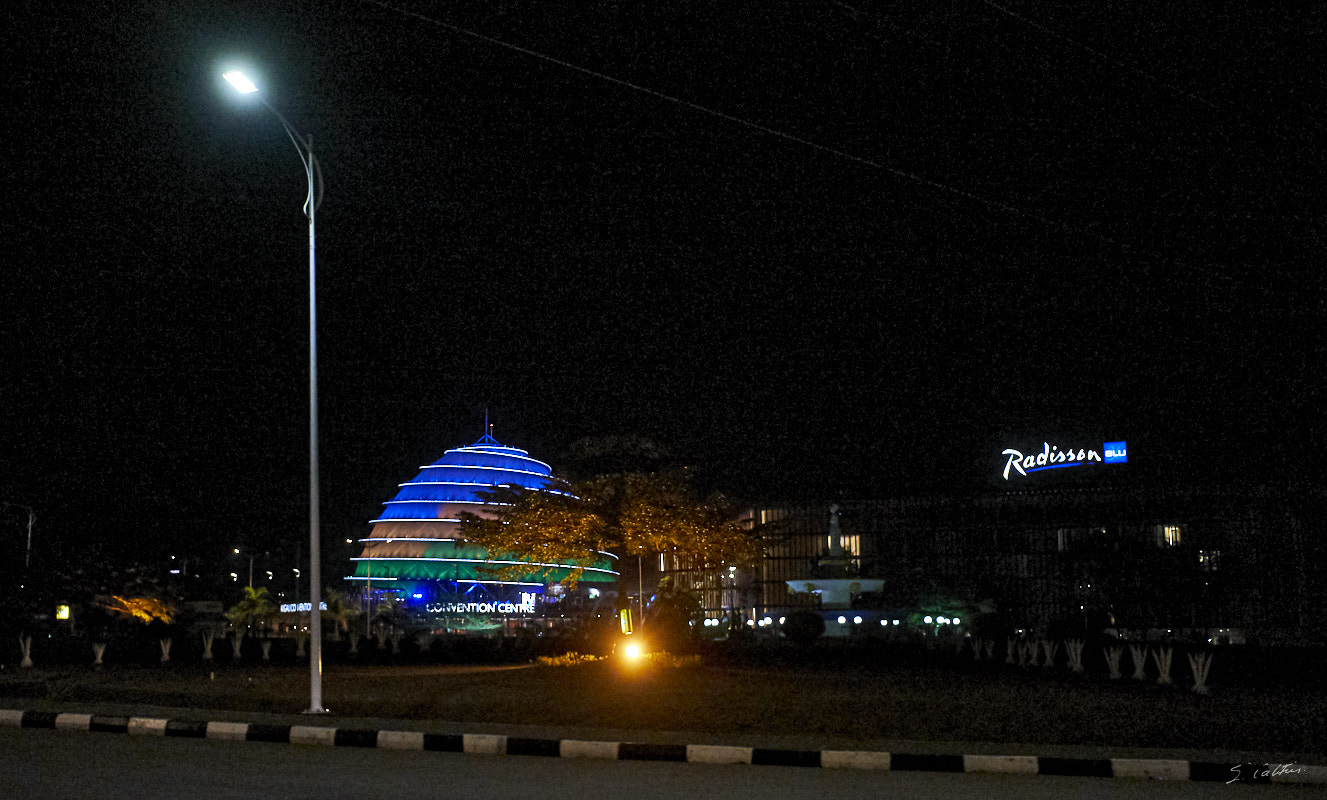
242, 84
313, 174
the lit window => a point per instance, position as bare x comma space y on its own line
1209, 560
1168, 535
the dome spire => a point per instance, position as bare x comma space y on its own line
487, 438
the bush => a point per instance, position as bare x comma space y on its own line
804, 627
567, 660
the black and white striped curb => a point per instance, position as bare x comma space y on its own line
492, 744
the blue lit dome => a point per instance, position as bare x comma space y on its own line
453, 483
416, 541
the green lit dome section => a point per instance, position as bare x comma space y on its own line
415, 546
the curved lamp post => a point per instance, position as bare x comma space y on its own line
32, 520
312, 172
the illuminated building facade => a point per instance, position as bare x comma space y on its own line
1049, 549
415, 551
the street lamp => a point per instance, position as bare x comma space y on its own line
236, 551
32, 520
313, 174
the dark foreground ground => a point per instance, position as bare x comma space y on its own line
834, 697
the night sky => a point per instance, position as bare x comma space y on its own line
812, 248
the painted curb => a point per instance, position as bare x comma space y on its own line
495, 745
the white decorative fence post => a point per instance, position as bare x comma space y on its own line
165, 649
1163, 656
25, 644
300, 638
396, 642
235, 644
1139, 654
990, 649
354, 643
208, 636
1010, 647
1113, 656
1074, 647
98, 650
1199, 665
266, 645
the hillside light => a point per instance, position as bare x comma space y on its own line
313, 176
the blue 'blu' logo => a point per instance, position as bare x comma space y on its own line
1115, 452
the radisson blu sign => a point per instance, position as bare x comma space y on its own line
1052, 456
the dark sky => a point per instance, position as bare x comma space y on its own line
808, 247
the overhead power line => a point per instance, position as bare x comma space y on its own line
912, 177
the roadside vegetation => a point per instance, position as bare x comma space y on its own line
830, 694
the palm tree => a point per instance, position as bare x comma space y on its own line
339, 611
255, 608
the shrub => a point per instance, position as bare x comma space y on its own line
567, 660
804, 627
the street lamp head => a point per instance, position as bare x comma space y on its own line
242, 84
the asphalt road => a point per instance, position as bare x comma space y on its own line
51, 764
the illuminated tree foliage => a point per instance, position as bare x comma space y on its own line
143, 609
625, 514
255, 608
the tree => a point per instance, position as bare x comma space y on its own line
624, 513
390, 613
255, 608
672, 616
143, 609
338, 611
